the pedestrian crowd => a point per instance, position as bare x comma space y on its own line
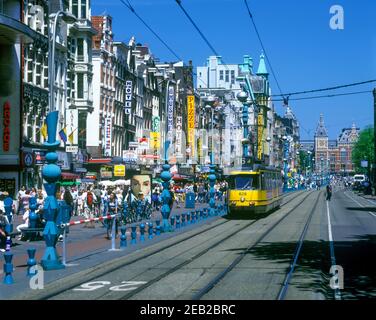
93, 201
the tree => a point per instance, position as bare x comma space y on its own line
364, 150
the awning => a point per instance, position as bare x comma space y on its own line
100, 160
69, 176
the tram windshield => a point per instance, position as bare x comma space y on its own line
245, 182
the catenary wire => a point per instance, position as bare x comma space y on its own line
263, 47
327, 96
325, 89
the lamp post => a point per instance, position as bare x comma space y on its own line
212, 177
285, 159
247, 162
268, 139
52, 172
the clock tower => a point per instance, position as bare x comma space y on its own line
321, 143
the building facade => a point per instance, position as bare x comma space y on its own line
334, 156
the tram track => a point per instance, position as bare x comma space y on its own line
200, 254
97, 273
227, 270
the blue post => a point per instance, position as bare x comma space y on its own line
142, 232
172, 219
158, 227
33, 216
178, 221
166, 197
133, 235
212, 179
150, 230
31, 262
183, 215
8, 203
123, 237
200, 215
51, 173
8, 268
188, 218
194, 217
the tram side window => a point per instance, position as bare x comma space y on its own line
246, 182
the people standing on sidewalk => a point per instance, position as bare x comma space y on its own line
88, 200
98, 201
25, 218
112, 206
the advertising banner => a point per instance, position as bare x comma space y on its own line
128, 97
191, 124
71, 118
141, 187
155, 140
119, 170
178, 138
107, 136
170, 112
260, 133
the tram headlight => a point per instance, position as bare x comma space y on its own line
242, 199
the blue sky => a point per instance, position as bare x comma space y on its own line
304, 51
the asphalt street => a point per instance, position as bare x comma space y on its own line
295, 250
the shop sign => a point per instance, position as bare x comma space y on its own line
106, 172
6, 124
119, 170
107, 136
170, 112
128, 97
191, 124
40, 157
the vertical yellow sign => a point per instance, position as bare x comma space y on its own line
260, 133
191, 124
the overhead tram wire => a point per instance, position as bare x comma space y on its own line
263, 48
199, 31
325, 89
327, 96
130, 7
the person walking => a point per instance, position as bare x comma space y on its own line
328, 192
112, 209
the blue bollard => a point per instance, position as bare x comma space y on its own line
133, 235
8, 268
172, 220
150, 230
200, 215
183, 215
188, 218
194, 217
158, 227
178, 221
142, 232
123, 237
31, 262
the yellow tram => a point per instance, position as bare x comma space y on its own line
254, 191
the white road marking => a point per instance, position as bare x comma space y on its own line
337, 293
351, 198
329, 223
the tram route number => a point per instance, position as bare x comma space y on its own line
95, 285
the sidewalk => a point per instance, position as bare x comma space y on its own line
84, 248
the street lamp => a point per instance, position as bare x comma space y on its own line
52, 172
268, 139
285, 159
212, 177
242, 96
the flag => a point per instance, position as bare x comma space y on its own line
63, 134
43, 130
70, 137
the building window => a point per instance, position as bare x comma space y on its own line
343, 156
75, 7
83, 9
45, 73
80, 49
221, 75
30, 66
232, 76
227, 76
80, 86
38, 71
